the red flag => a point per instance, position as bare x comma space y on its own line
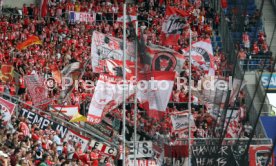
173, 25
44, 8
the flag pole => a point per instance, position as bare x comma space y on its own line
190, 97
135, 99
124, 78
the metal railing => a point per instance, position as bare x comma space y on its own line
55, 118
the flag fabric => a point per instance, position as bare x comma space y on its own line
78, 118
6, 73
70, 68
56, 73
180, 121
37, 90
108, 95
202, 55
115, 68
237, 86
69, 110
233, 129
104, 47
72, 72
43, 8
7, 110
259, 154
131, 14
173, 25
163, 59
29, 42
155, 95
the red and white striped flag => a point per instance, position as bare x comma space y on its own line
154, 95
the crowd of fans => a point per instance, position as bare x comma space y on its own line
64, 42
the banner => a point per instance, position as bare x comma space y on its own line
141, 162
202, 55
75, 137
7, 110
173, 25
67, 110
210, 155
108, 95
155, 89
163, 59
43, 122
30, 41
175, 155
6, 73
144, 149
272, 83
180, 120
77, 17
37, 89
104, 47
103, 148
258, 155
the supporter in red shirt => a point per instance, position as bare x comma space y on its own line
94, 157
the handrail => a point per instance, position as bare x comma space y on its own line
55, 118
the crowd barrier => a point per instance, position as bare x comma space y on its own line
58, 119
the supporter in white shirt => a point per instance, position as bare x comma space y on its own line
57, 140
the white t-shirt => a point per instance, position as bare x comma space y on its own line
57, 140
